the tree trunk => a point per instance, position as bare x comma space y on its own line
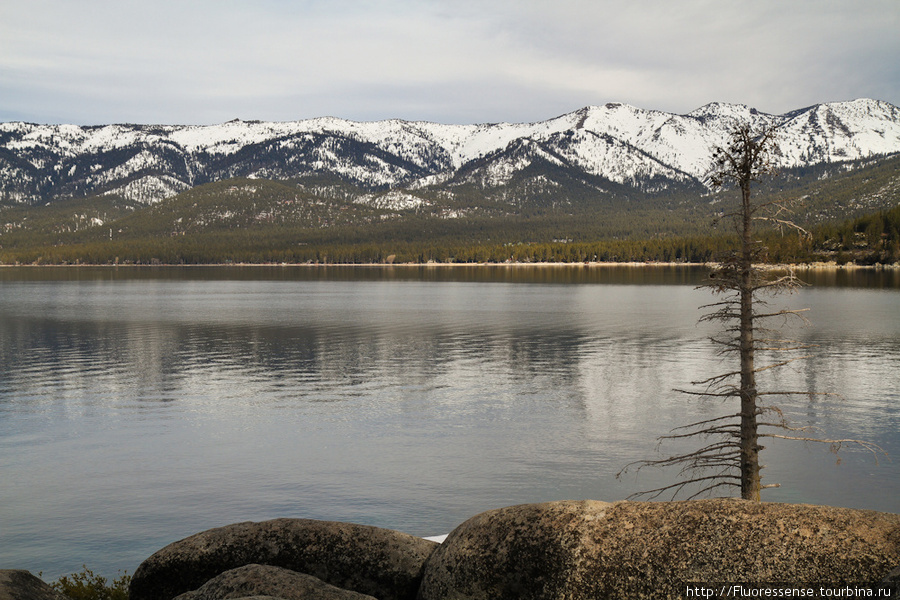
750, 478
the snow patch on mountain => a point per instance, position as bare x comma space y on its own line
150, 189
619, 142
393, 200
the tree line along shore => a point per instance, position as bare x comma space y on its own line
870, 240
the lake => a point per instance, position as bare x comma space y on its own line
141, 405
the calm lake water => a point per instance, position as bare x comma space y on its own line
139, 406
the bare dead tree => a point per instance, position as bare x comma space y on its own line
741, 279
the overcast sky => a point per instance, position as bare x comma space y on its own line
450, 61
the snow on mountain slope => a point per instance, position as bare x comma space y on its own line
686, 142
840, 131
607, 156
616, 141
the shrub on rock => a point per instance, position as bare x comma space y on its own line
586, 550
380, 562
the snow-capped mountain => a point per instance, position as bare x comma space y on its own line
598, 146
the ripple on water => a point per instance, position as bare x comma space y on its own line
147, 411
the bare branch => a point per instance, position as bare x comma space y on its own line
709, 394
720, 481
836, 445
782, 313
716, 378
707, 421
732, 429
797, 393
779, 364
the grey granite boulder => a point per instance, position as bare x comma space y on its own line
16, 584
380, 562
584, 550
264, 580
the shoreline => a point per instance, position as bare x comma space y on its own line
593, 264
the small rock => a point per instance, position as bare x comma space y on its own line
263, 580
261, 598
17, 584
893, 576
255, 597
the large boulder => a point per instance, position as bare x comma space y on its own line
383, 563
17, 584
586, 550
263, 580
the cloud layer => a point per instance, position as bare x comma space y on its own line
460, 61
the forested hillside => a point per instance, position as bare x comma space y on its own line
851, 208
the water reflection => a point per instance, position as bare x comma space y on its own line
137, 411
627, 274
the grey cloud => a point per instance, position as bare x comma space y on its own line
461, 61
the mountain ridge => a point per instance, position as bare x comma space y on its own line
647, 150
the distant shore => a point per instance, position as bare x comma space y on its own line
591, 264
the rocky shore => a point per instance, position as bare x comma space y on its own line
569, 550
